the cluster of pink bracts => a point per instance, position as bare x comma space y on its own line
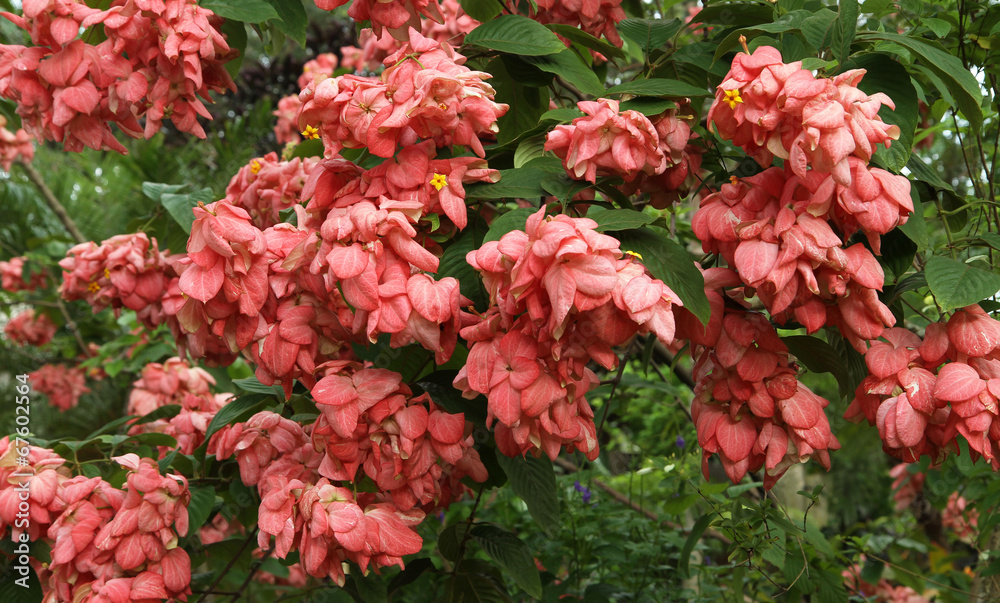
14, 146
159, 61
107, 544
29, 328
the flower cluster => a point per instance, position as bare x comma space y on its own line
160, 60
14, 146
370, 425
63, 385
921, 394
267, 186
29, 328
425, 93
683, 159
561, 295
12, 276
770, 108
750, 407
596, 17
394, 15
882, 592
174, 382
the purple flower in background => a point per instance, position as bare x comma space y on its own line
680, 441
583, 490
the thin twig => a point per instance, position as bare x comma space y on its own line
253, 571
53, 203
250, 538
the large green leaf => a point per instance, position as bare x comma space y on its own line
517, 35
527, 103
453, 264
820, 357
534, 481
237, 410
20, 589
619, 219
956, 284
670, 263
524, 182
649, 34
959, 81
847, 25
570, 67
657, 87
248, 11
292, 19
577, 35
481, 10
515, 219
888, 76
512, 555
200, 507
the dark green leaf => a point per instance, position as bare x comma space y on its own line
414, 569
163, 412
237, 410
517, 35
818, 29
618, 219
454, 264
956, 284
649, 34
693, 537
17, 588
648, 106
248, 11
236, 37
560, 115
368, 586
959, 81
180, 206
308, 148
252, 385
535, 483
481, 10
924, 172
897, 253
847, 25
512, 555
200, 507
657, 87
526, 102
448, 541
670, 263
575, 34
916, 225
820, 357
467, 587
154, 438
515, 219
438, 385
292, 19
570, 67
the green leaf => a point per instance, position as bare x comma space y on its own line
237, 410
367, 587
820, 357
438, 385
11, 588
649, 34
180, 206
888, 76
956, 284
154, 438
619, 219
570, 67
847, 25
515, 219
526, 102
236, 37
922, 171
959, 81
252, 385
512, 555
308, 148
529, 149
475, 587
414, 569
818, 29
670, 263
200, 507
680, 504
560, 115
535, 483
577, 35
647, 105
693, 537
481, 10
248, 11
453, 264
292, 19
916, 226
448, 541
517, 35
657, 87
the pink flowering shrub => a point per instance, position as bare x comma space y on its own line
14, 146
62, 385
29, 328
12, 276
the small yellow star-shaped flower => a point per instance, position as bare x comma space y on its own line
734, 180
310, 133
733, 98
633, 254
93, 287
107, 273
255, 165
439, 181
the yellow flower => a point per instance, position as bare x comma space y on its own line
439, 181
93, 287
255, 165
733, 98
733, 180
310, 133
107, 273
633, 254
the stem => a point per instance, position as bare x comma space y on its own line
52, 202
72, 328
253, 571
468, 528
250, 538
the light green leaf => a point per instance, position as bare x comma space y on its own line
657, 87
649, 34
619, 219
517, 35
956, 284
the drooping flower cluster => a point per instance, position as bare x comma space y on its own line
371, 425
63, 385
394, 15
268, 185
425, 93
750, 407
29, 328
607, 142
12, 276
921, 394
561, 295
773, 109
40, 478
683, 160
174, 382
160, 60
14, 146
596, 17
